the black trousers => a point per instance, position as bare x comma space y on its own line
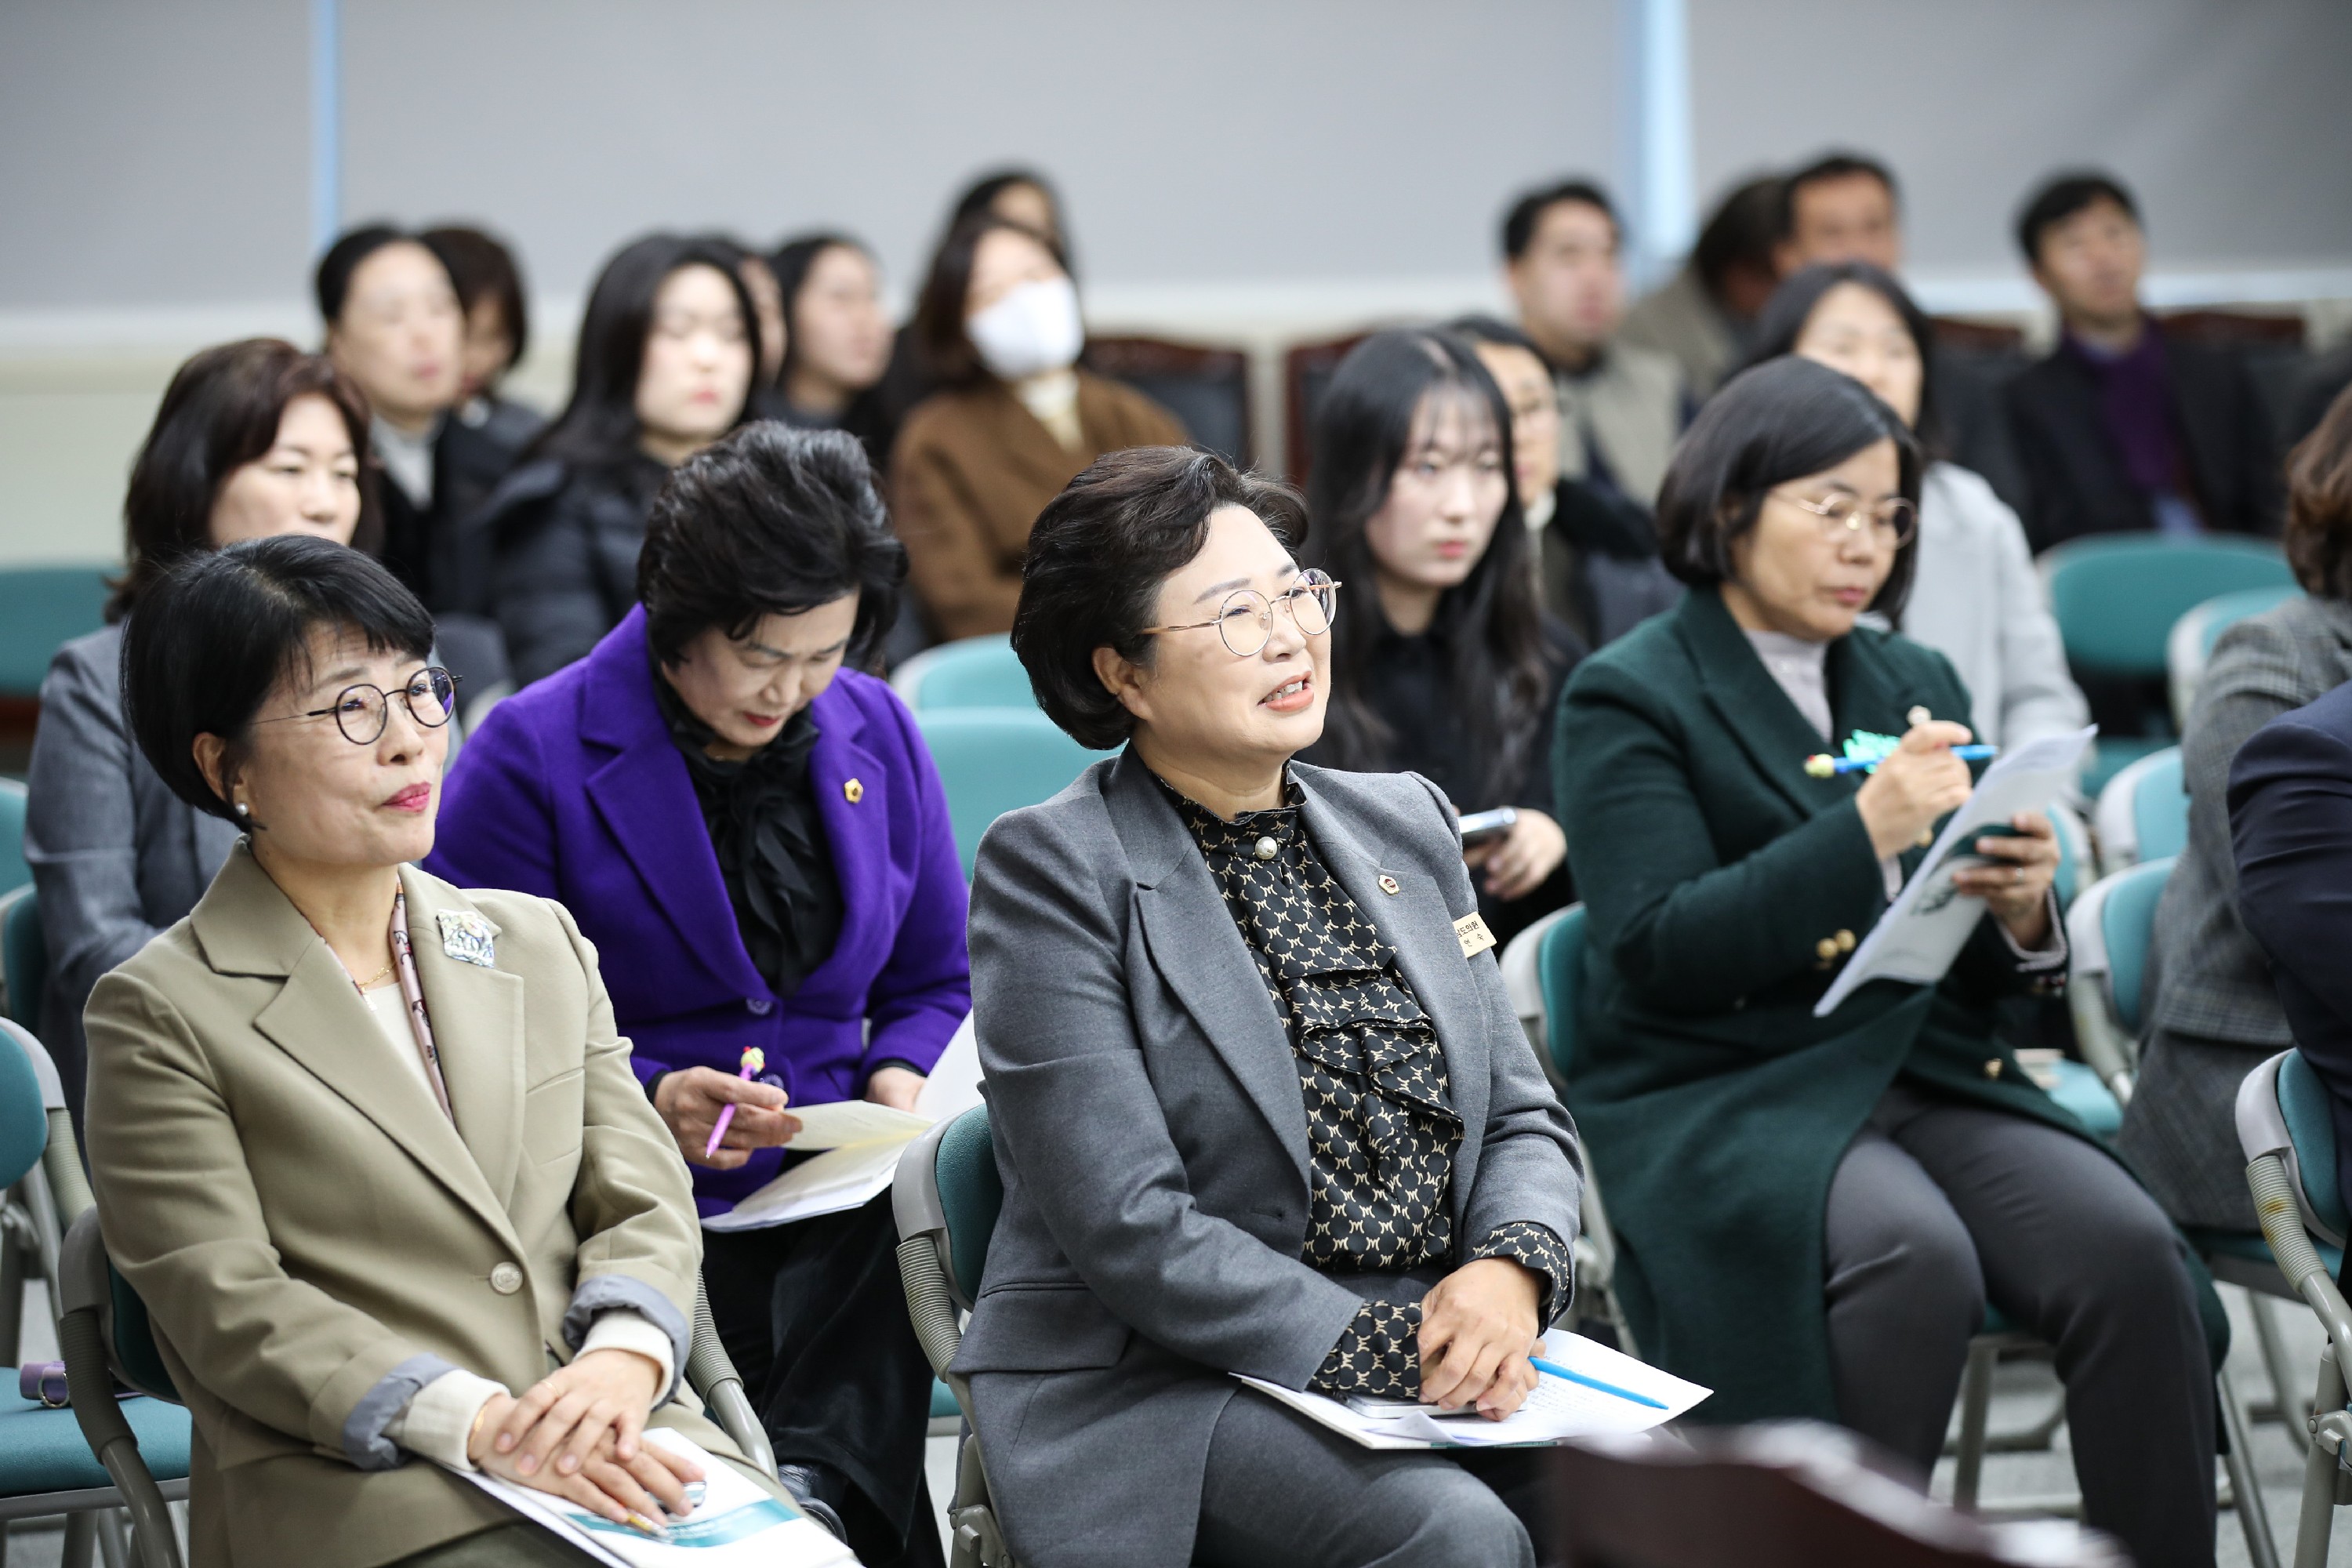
814, 1318
1938, 1207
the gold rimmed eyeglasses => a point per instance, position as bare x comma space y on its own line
1245, 619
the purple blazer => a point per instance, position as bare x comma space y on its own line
573, 789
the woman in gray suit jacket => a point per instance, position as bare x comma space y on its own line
1260, 1101
253, 439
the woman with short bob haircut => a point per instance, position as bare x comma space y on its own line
1259, 1098
252, 439
721, 794
667, 349
367, 1146
1817, 1211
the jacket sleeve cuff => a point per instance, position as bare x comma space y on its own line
1538, 1249
626, 1328
604, 1293
438, 1423
366, 1443
1378, 1354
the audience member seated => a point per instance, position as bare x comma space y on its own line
1445, 664
664, 369
1014, 420
1974, 595
394, 326
1816, 1211
818, 916
360, 1240
2215, 1013
497, 331
1255, 1109
252, 439
1621, 406
1843, 206
768, 310
1703, 316
1596, 553
2121, 427
836, 339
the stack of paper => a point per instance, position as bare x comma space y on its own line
1615, 1393
860, 1144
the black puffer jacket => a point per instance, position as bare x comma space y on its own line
562, 540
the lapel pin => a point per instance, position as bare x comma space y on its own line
1388, 884
465, 937
853, 792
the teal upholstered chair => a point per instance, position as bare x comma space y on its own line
995, 760
24, 958
970, 672
2189, 648
42, 608
2111, 928
946, 1196
2143, 812
13, 872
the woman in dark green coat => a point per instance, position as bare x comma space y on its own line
1815, 1212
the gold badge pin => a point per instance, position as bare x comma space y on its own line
853, 792
1388, 884
1472, 932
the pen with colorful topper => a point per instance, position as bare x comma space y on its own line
754, 1061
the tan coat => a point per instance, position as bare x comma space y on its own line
972, 469
301, 1218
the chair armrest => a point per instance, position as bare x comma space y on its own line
90, 1384
712, 1376
2282, 1221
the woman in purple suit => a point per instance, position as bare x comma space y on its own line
755, 839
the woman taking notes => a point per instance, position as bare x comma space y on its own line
1259, 1099
1816, 1211
369, 1147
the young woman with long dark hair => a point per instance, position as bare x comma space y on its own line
836, 340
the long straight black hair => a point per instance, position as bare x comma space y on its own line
1491, 623
599, 428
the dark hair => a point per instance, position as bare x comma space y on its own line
1780, 421
332, 281
1096, 559
2318, 534
600, 426
1491, 623
1493, 330
1783, 322
768, 521
1838, 165
1740, 232
483, 268
2059, 198
979, 199
1519, 223
221, 412
938, 326
217, 632
792, 262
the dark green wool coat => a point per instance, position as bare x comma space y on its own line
1714, 1105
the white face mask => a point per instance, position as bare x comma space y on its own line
1033, 330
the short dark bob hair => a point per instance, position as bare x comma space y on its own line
939, 335
2318, 534
333, 281
1519, 223
1780, 421
768, 521
1098, 557
220, 630
484, 269
221, 412
2059, 198
1782, 322
1837, 165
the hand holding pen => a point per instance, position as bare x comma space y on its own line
1918, 784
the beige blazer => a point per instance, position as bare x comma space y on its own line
315, 1240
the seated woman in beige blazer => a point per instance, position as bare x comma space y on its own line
385, 1199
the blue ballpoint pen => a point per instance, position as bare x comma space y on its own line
1823, 765
1556, 1369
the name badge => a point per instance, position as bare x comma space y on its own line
465, 937
1472, 932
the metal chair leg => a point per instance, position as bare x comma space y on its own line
81, 1540
1976, 1402
2317, 1515
2292, 1413
2253, 1518
113, 1549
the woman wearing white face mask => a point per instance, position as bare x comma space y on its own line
1018, 420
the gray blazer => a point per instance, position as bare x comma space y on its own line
1152, 1139
116, 856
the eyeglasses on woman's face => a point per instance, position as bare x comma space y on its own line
1843, 515
363, 711
1245, 619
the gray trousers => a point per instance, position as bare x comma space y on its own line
1938, 1207
1282, 1492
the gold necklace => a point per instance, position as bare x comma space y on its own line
373, 979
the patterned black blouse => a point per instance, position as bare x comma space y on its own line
1381, 1129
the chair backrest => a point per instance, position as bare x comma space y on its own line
1206, 388
1522, 967
1306, 370
23, 1120
42, 608
91, 1278
1560, 962
2188, 647
995, 760
970, 672
2143, 812
2303, 1104
2074, 855
970, 1194
2117, 596
2111, 928
24, 957
13, 872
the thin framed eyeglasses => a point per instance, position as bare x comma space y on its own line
361, 711
1842, 514
1245, 619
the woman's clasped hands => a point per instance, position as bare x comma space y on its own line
577, 1434
1478, 1328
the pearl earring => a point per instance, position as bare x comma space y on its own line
243, 810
